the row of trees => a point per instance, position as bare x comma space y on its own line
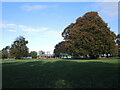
18, 49
88, 36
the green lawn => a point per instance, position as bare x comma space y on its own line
59, 73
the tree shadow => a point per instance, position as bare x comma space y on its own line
60, 74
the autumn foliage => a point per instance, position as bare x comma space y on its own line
89, 36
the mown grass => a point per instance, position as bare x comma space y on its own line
58, 73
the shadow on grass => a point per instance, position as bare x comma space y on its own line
60, 74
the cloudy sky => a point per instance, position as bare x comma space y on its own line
42, 23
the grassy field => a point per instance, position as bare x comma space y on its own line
59, 73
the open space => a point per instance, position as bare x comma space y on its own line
60, 44
60, 73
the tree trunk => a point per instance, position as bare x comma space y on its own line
93, 56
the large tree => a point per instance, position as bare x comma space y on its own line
90, 35
18, 48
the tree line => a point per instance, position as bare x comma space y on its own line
90, 37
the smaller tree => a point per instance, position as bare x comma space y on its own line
5, 52
61, 47
18, 48
33, 54
41, 52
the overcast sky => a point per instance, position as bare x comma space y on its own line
42, 23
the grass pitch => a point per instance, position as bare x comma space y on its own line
59, 73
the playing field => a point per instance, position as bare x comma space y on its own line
59, 73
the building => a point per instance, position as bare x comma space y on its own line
46, 56
64, 55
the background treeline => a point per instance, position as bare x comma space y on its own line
89, 37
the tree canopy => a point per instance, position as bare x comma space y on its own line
33, 54
5, 52
60, 48
89, 35
18, 48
